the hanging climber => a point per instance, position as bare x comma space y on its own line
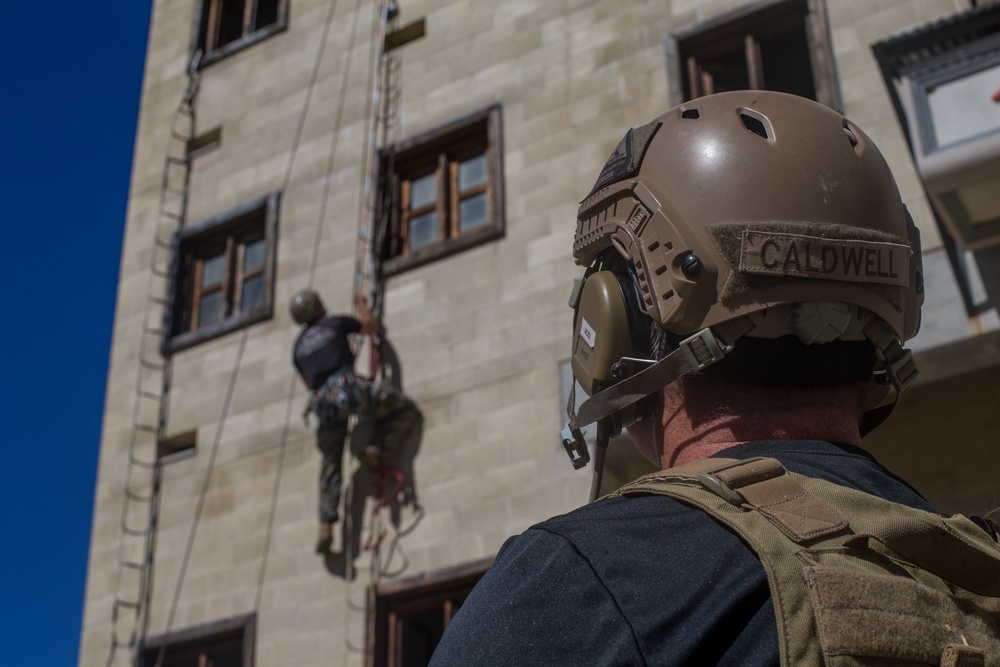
325, 362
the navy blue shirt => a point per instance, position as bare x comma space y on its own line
643, 580
322, 349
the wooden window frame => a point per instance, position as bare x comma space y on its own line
391, 602
681, 46
243, 627
208, 26
440, 150
232, 231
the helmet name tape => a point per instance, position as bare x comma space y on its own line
772, 253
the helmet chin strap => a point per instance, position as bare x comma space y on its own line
895, 370
708, 346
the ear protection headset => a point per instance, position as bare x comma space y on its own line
611, 338
611, 331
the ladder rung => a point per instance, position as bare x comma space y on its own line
138, 497
143, 465
170, 215
151, 365
139, 462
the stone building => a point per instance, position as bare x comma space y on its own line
250, 182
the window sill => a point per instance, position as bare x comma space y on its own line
191, 338
242, 43
432, 253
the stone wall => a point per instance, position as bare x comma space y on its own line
481, 334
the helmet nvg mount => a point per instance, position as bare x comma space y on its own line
746, 213
306, 306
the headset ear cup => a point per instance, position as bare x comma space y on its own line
609, 324
601, 335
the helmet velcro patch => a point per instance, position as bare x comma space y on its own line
854, 242
627, 156
854, 260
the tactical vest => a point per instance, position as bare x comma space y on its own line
855, 579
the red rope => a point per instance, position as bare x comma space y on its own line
377, 532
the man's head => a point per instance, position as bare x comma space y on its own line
764, 228
306, 307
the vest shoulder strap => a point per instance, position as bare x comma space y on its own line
855, 579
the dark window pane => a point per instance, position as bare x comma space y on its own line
210, 308
255, 254
472, 212
729, 71
212, 271
787, 67
266, 14
253, 293
423, 191
422, 630
472, 172
423, 230
230, 21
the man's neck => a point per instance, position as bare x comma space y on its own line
701, 417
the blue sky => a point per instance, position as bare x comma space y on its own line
71, 76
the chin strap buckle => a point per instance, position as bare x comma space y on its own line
576, 446
704, 349
897, 367
899, 370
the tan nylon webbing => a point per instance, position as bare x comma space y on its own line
922, 542
833, 604
651, 379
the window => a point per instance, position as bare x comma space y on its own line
411, 617
781, 45
958, 103
223, 273
181, 445
444, 191
230, 25
204, 142
228, 643
944, 80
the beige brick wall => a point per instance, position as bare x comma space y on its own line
481, 334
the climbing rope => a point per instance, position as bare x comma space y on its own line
334, 144
236, 367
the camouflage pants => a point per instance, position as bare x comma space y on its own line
395, 416
330, 441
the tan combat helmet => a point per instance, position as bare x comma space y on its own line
306, 306
746, 213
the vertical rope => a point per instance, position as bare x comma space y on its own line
236, 366
334, 142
